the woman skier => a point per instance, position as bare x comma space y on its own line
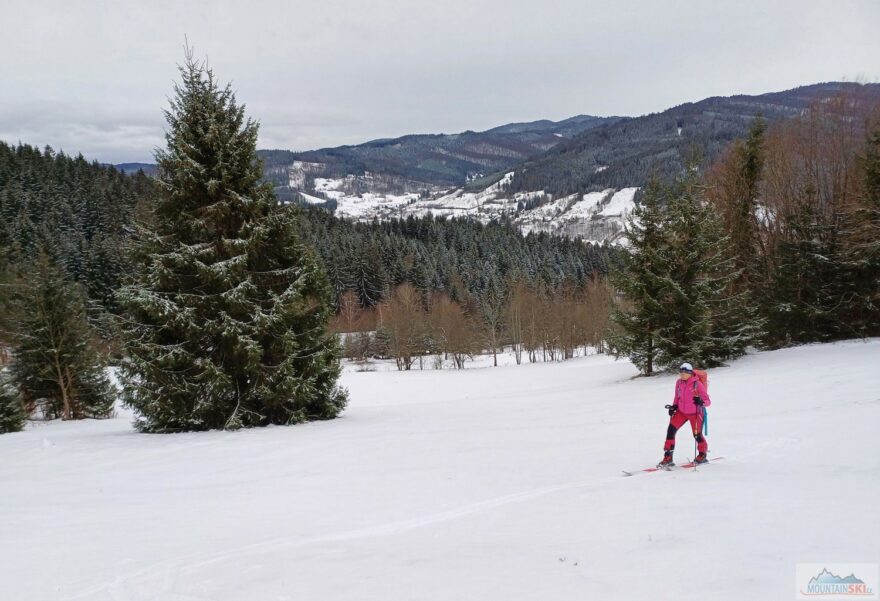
691, 396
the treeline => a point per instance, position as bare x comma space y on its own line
81, 215
467, 260
65, 224
777, 244
801, 204
426, 286
416, 328
78, 213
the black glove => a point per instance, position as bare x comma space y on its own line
698, 401
672, 409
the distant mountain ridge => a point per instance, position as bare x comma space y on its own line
577, 177
147, 168
626, 153
437, 159
566, 128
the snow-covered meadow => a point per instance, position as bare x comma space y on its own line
492, 483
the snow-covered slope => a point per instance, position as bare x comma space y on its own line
596, 216
484, 484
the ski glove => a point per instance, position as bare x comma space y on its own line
698, 401
672, 409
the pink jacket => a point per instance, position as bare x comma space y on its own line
684, 395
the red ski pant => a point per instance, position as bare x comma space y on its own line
677, 421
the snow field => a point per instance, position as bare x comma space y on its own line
477, 484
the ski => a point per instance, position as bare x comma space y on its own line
646, 470
691, 464
657, 468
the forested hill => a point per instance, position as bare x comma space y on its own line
622, 154
462, 257
439, 159
79, 213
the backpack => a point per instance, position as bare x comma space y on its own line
703, 376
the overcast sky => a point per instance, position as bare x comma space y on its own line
93, 77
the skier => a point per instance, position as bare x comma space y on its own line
691, 396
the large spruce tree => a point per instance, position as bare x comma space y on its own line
708, 320
225, 323
677, 302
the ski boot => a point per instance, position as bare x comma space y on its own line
666, 462
701, 458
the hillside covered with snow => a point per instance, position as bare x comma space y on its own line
594, 217
482, 484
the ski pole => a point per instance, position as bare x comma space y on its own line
696, 424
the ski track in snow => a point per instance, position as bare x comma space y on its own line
183, 564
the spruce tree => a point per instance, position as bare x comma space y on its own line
57, 365
643, 282
225, 321
859, 309
678, 303
803, 298
707, 320
12, 415
6, 304
743, 214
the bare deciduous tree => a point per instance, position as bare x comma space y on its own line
403, 320
453, 330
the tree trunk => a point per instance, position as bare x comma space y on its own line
62, 384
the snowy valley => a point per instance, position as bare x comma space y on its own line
596, 217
